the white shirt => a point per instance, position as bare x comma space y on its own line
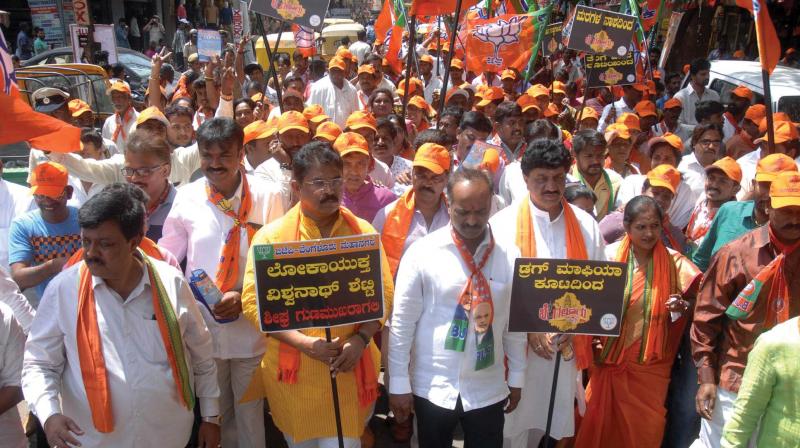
400, 166
11, 297
12, 347
145, 405
430, 279
481, 80
683, 131
271, 172
389, 85
693, 174
360, 50
111, 124
337, 103
14, 200
620, 107
419, 227
679, 211
689, 100
381, 174
431, 86
79, 193
512, 184
195, 229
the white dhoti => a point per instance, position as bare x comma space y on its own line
711, 430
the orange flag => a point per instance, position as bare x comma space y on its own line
389, 30
421, 8
499, 43
769, 47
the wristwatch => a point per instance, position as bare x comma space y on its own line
214, 419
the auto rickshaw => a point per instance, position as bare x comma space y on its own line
332, 36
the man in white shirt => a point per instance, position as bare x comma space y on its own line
631, 95
119, 350
118, 127
431, 82
360, 48
695, 91
455, 371
547, 218
14, 200
334, 93
12, 347
210, 225
293, 133
705, 151
490, 79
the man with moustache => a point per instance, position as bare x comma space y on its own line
740, 99
299, 396
696, 91
544, 225
118, 127
631, 95
118, 352
722, 184
293, 133
334, 93
508, 123
210, 225
751, 285
589, 147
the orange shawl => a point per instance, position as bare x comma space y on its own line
395, 230
576, 250
661, 280
288, 356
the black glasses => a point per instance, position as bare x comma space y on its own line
141, 172
321, 184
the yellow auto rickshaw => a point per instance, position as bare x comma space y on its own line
285, 46
332, 36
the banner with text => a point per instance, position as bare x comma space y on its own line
553, 39
309, 13
603, 71
209, 44
599, 31
318, 283
567, 296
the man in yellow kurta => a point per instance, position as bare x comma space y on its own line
295, 372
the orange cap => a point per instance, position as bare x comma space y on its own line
559, 87
350, 142
78, 107
729, 166
491, 161
457, 63
361, 120
743, 92
456, 91
756, 113
669, 138
491, 94
645, 109
292, 120
257, 97
119, 86
420, 103
336, 62
738, 54
366, 68
770, 166
314, 113
785, 131
589, 112
538, 90
49, 179
672, 102
665, 176
426, 58
617, 130
640, 87
257, 130
432, 157
152, 113
551, 111
631, 121
527, 102
651, 86
345, 54
508, 74
416, 86
785, 190
329, 131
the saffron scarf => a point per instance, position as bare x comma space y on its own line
121, 121
395, 230
475, 293
228, 269
576, 250
661, 280
778, 298
90, 347
288, 356
696, 230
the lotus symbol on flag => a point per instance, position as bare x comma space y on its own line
502, 32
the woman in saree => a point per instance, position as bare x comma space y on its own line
630, 375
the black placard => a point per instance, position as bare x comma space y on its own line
318, 283
567, 296
308, 13
553, 41
603, 71
599, 31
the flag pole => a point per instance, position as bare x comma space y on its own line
270, 57
438, 43
412, 38
768, 104
335, 391
454, 33
551, 405
583, 98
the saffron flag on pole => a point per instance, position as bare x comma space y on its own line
769, 47
22, 124
499, 43
389, 29
422, 8
304, 40
649, 15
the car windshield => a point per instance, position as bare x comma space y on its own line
137, 63
790, 105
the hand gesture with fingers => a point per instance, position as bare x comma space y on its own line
60, 431
157, 61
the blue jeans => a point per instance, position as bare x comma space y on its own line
683, 421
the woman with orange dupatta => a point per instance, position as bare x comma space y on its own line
629, 379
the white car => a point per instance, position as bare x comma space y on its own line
784, 84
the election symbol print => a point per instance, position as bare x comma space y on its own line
499, 34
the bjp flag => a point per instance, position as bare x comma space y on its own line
499, 43
22, 124
422, 8
389, 29
769, 47
650, 14
304, 40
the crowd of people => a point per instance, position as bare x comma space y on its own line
110, 347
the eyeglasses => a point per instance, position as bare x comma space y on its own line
322, 184
140, 172
709, 142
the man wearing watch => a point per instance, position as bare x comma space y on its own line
120, 353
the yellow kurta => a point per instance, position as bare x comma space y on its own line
603, 191
304, 410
